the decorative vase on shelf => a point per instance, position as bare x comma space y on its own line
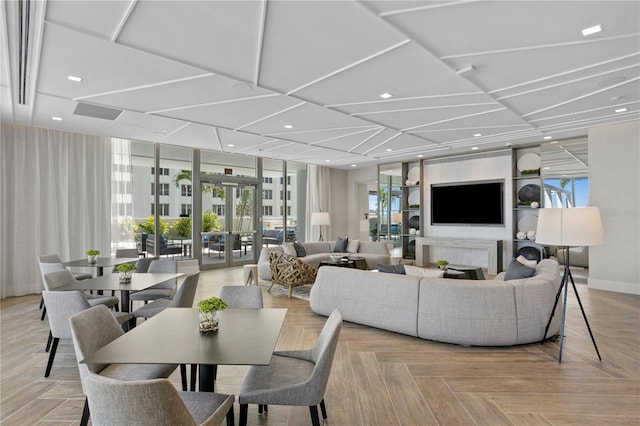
208, 321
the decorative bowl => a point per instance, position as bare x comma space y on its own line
335, 257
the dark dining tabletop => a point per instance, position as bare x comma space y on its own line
101, 263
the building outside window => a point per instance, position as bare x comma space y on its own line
218, 209
163, 171
185, 190
267, 194
163, 209
185, 209
267, 210
267, 179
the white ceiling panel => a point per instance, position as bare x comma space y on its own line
402, 142
305, 117
195, 135
316, 136
104, 66
491, 118
403, 72
193, 91
415, 102
218, 36
448, 135
233, 115
99, 18
307, 40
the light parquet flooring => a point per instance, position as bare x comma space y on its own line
379, 377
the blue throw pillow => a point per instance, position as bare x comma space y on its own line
341, 245
392, 269
517, 270
300, 250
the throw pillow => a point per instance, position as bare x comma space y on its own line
289, 249
353, 245
526, 262
300, 250
341, 245
423, 272
517, 270
391, 269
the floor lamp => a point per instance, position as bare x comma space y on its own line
568, 227
320, 219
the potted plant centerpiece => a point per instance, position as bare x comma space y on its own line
208, 313
92, 255
125, 270
442, 264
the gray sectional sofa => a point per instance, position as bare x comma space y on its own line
467, 312
373, 252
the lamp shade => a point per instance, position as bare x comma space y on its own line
320, 218
579, 226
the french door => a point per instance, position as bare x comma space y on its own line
229, 221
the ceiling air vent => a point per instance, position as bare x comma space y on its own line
96, 111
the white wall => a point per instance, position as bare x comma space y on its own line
339, 212
358, 183
488, 166
614, 181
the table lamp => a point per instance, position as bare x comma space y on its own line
320, 219
569, 227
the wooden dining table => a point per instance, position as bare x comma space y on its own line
244, 337
139, 281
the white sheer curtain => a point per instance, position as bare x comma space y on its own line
318, 199
121, 195
55, 192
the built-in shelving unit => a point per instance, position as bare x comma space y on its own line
527, 191
411, 207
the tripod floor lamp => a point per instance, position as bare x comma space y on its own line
569, 227
320, 219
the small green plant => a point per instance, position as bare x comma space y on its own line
125, 267
211, 304
93, 252
442, 263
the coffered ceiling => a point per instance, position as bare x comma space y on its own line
302, 80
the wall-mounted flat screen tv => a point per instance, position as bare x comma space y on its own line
468, 203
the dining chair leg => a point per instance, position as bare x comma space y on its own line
194, 374
323, 409
259, 408
85, 413
41, 302
230, 418
315, 421
183, 376
44, 312
244, 408
49, 339
52, 355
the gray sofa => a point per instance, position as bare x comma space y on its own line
374, 253
467, 312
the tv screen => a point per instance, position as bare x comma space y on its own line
468, 203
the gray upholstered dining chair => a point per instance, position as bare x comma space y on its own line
294, 377
94, 328
63, 277
153, 403
164, 290
183, 299
49, 263
242, 297
62, 306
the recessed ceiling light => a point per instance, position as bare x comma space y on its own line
621, 110
327, 161
420, 155
474, 148
388, 150
74, 78
56, 118
386, 95
288, 126
546, 168
477, 135
553, 142
230, 144
465, 70
353, 165
546, 138
508, 144
592, 30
